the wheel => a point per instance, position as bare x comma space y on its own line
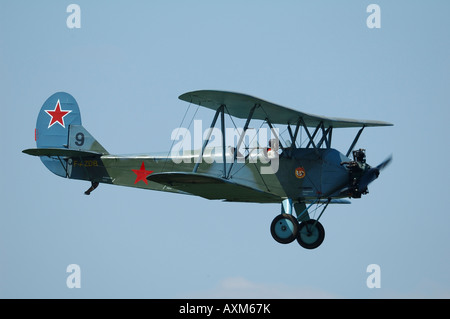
284, 228
310, 234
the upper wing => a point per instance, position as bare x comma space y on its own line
212, 187
239, 105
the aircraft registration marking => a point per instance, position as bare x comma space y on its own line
86, 163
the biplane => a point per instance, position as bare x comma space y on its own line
301, 177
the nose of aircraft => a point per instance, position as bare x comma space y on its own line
371, 175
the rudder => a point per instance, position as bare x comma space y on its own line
59, 126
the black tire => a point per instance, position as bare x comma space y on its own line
310, 234
284, 228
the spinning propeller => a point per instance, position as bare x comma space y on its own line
372, 174
361, 174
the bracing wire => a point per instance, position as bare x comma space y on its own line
173, 141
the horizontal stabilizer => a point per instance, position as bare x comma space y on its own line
60, 152
212, 187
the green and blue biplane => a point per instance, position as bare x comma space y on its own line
298, 177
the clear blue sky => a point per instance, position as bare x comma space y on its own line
127, 65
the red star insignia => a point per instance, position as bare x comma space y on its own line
57, 115
141, 174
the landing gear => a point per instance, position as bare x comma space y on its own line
310, 234
284, 228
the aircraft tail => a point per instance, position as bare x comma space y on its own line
65, 147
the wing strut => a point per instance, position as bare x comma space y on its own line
274, 133
355, 141
241, 138
324, 138
64, 167
297, 128
311, 138
205, 143
222, 126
